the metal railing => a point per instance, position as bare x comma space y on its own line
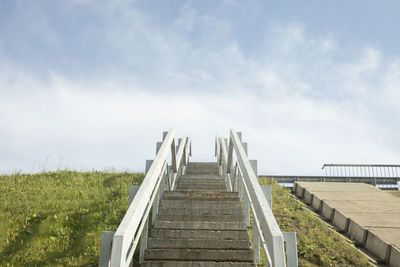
242, 177
376, 172
380, 182
117, 248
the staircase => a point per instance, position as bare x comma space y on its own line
195, 212
199, 223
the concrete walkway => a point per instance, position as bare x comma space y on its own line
367, 214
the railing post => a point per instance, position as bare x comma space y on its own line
132, 193
173, 156
105, 248
234, 180
267, 192
256, 243
216, 147
240, 185
230, 155
254, 164
143, 241
246, 208
164, 134
158, 146
169, 185
155, 203
148, 165
291, 248
245, 148
162, 185
186, 151
239, 135
155, 206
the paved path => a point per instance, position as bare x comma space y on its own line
367, 214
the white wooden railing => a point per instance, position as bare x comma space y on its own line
117, 248
242, 177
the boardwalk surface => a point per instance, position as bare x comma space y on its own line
367, 214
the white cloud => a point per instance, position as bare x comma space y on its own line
297, 105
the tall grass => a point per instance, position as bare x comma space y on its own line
56, 218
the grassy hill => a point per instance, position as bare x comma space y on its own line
56, 219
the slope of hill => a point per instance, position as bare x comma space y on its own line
56, 218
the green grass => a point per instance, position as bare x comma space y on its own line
317, 245
56, 218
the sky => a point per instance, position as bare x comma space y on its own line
91, 85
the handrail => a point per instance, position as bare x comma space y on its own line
134, 225
223, 162
362, 170
264, 222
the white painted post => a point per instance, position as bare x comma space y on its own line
253, 163
245, 148
267, 192
148, 165
230, 156
173, 156
155, 203
164, 134
158, 146
162, 185
169, 185
239, 135
254, 166
240, 186
246, 208
398, 185
291, 248
143, 241
154, 210
256, 243
132, 193
105, 248
234, 180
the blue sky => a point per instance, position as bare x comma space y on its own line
92, 84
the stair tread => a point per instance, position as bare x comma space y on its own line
244, 255
199, 211
186, 243
196, 264
202, 218
201, 225
200, 233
